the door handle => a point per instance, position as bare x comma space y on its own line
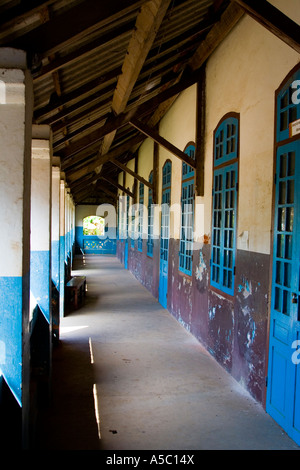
294, 298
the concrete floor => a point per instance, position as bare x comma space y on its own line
127, 376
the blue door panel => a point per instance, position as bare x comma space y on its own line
283, 392
164, 236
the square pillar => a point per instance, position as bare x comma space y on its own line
41, 182
40, 260
16, 107
62, 264
55, 234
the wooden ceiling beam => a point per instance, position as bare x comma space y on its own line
147, 131
117, 185
82, 52
14, 20
72, 135
57, 117
132, 173
274, 20
139, 110
87, 88
73, 24
216, 35
99, 161
147, 25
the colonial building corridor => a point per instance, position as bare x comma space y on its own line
150, 158
128, 376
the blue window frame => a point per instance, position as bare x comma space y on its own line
141, 216
224, 207
226, 139
165, 215
127, 218
187, 215
132, 223
150, 219
288, 106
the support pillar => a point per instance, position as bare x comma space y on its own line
16, 106
62, 265
55, 257
40, 260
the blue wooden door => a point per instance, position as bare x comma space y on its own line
165, 236
283, 386
164, 249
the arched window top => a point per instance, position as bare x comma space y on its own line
93, 225
226, 140
288, 106
167, 173
187, 170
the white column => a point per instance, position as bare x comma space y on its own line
55, 234
62, 247
41, 181
55, 221
16, 105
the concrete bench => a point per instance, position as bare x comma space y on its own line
77, 286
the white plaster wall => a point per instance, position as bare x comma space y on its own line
13, 167
62, 208
242, 76
55, 203
41, 177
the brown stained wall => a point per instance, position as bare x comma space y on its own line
233, 329
143, 267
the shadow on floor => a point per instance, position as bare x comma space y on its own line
70, 421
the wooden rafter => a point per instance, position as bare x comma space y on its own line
86, 89
147, 131
115, 153
74, 24
138, 111
82, 52
216, 35
147, 25
117, 185
132, 173
274, 20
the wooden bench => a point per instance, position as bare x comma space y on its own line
77, 286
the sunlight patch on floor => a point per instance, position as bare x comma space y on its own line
70, 329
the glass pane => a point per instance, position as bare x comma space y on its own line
292, 114
291, 166
281, 220
290, 191
284, 100
278, 299
278, 272
288, 247
283, 121
282, 192
287, 274
283, 165
280, 246
286, 300
289, 219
